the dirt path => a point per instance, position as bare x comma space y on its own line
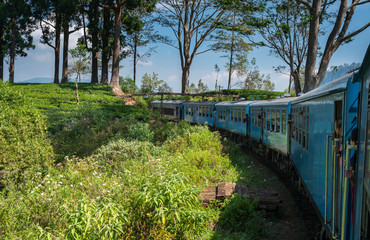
287, 222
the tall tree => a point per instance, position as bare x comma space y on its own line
106, 34
69, 19
118, 7
191, 22
3, 45
286, 34
339, 34
21, 25
49, 13
140, 29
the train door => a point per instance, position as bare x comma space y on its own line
260, 123
337, 165
365, 218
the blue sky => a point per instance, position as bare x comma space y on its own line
166, 63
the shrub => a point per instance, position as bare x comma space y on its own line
241, 215
22, 133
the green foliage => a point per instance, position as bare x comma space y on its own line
240, 215
127, 85
198, 89
250, 93
151, 83
22, 133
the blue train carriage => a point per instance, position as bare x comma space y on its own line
199, 112
312, 137
360, 227
169, 108
232, 116
269, 123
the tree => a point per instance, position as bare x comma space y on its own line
191, 22
3, 44
118, 7
217, 69
49, 14
139, 26
70, 17
253, 79
20, 25
200, 88
339, 35
151, 83
286, 34
106, 34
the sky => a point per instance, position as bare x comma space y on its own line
166, 61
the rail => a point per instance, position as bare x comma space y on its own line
179, 94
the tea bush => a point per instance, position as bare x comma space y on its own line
22, 133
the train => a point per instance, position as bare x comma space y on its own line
323, 136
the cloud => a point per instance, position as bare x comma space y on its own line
145, 63
42, 57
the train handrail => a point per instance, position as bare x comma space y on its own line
326, 175
344, 205
334, 183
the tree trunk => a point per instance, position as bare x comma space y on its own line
114, 82
135, 56
290, 82
185, 79
94, 41
76, 85
231, 61
297, 83
1, 53
312, 46
105, 50
65, 53
12, 51
57, 49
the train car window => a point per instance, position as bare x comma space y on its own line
236, 114
232, 114
243, 114
299, 125
210, 112
272, 120
307, 121
268, 120
277, 120
283, 121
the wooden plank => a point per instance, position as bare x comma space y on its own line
208, 194
225, 190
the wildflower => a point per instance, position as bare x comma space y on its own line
61, 176
31, 191
48, 181
60, 183
104, 184
71, 185
42, 194
81, 184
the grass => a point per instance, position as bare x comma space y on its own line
118, 175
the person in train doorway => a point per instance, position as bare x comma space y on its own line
337, 149
351, 172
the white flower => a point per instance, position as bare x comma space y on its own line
31, 191
42, 194
81, 184
104, 184
60, 183
71, 185
48, 181
61, 176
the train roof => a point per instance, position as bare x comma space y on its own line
233, 103
274, 102
365, 64
169, 101
337, 85
199, 103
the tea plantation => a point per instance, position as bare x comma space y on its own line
103, 170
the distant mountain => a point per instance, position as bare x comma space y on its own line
46, 80
339, 71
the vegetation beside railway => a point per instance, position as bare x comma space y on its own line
103, 170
